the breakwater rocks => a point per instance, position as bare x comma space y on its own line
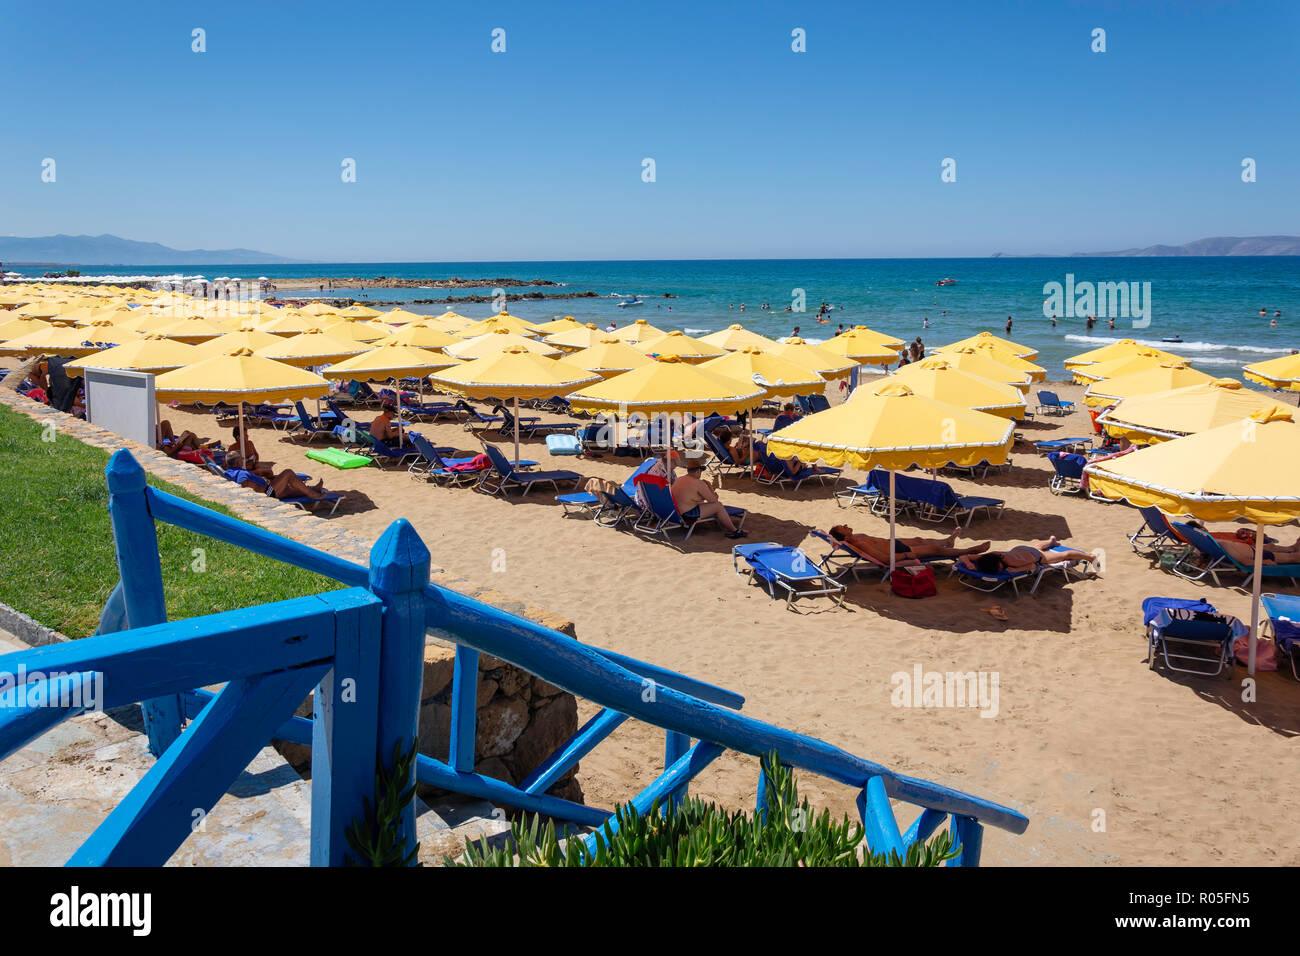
387, 282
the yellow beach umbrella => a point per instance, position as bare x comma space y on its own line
360, 312
448, 321
608, 358
1003, 356
1162, 378
400, 316
1244, 470
566, 324
583, 337
102, 331
502, 320
13, 328
150, 352
637, 332
242, 377
680, 344
498, 341
194, 330
389, 361
826, 364
988, 338
779, 377
1124, 365
1113, 350
228, 342
890, 426
938, 379
309, 348
514, 373
39, 309
290, 322
58, 338
863, 347
967, 360
356, 330
1161, 416
319, 309
865, 334
736, 337
1282, 372
421, 336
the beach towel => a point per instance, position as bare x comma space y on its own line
1265, 653
477, 463
655, 475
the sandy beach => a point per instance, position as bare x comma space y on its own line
1112, 762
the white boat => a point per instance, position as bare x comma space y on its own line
634, 300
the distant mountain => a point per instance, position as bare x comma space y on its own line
109, 250
1218, 246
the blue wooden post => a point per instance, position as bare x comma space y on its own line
675, 747
344, 732
969, 835
760, 801
464, 709
135, 541
399, 572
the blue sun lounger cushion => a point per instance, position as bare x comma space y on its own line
1283, 612
786, 568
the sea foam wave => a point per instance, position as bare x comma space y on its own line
1099, 341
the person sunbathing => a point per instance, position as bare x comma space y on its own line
692, 491
1241, 548
284, 485
385, 429
1024, 557
904, 548
171, 444
243, 454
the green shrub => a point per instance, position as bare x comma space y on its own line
704, 834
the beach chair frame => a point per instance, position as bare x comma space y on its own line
824, 583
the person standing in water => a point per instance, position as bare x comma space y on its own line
1008, 325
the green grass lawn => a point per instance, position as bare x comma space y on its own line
56, 544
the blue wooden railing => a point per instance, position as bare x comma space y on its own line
361, 648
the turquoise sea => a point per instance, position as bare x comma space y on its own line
1212, 304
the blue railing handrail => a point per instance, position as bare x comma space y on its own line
601, 677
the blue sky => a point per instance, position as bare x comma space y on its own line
536, 153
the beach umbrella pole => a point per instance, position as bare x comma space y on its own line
243, 438
516, 401
892, 547
1255, 587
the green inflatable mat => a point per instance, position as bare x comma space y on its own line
338, 458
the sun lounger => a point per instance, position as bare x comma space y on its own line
789, 569
620, 503
579, 503
429, 459
1064, 444
1190, 636
990, 581
662, 515
931, 500
308, 427
776, 471
239, 476
843, 558
1155, 533
503, 476
1067, 472
382, 452
722, 461
1207, 556
1283, 614
1050, 402
474, 419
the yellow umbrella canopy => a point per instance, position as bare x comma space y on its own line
513, 372
583, 337
400, 316
824, 363
360, 312
319, 309
80, 312
668, 386
102, 331
1003, 356
608, 358
736, 337
39, 309
863, 347
1243, 470
240, 377
228, 342
448, 321
780, 377
13, 328
1283, 372
1162, 378
421, 336
388, 361
864, 334
150, 352
942, 381
194, 330
57, 338
891, 426
498, 341
566, 324
1105, 352
1124, 365
356, 330
309, 348
988, 338
1160, 416
638, 331
680, 344
502, 320
967, 360
290, 322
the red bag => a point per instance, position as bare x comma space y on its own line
913, 582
